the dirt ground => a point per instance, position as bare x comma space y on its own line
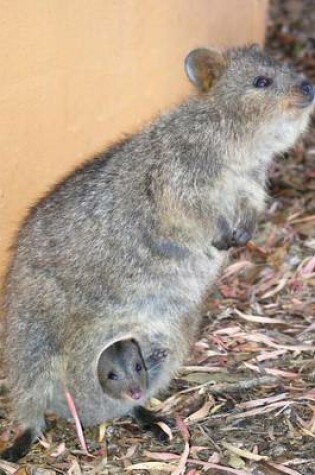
245, 402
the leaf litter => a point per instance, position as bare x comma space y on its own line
244, 404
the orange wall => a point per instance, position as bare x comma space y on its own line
75, 75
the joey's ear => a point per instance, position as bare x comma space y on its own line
203, 67
255, 47
102, 369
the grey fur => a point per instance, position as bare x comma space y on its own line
121, 371
123, 247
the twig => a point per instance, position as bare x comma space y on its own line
243, 385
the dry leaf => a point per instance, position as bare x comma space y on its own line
246, 454
201, 413
166, 429
166, 467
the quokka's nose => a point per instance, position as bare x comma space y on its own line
307, 90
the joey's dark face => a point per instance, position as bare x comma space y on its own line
127, 382
122, 372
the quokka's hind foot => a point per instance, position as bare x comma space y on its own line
20, 447
147, 421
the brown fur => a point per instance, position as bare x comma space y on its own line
128, 244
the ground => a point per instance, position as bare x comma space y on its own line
245, 402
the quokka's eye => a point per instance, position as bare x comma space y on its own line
112, 376
262, 82
138, 367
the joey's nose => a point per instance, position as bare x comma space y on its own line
136, 393
307, 90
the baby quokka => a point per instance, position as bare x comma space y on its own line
130, 242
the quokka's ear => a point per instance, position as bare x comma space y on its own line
203, 67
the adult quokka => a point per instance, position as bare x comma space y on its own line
131, 241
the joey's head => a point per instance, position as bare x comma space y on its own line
260, 95
121, 371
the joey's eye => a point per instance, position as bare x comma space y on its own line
138, 367
112, 376
262, 82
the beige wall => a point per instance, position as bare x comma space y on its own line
75, 74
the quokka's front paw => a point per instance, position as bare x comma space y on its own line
223, 239
148, 421
223, 244
240, 237
233, 237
